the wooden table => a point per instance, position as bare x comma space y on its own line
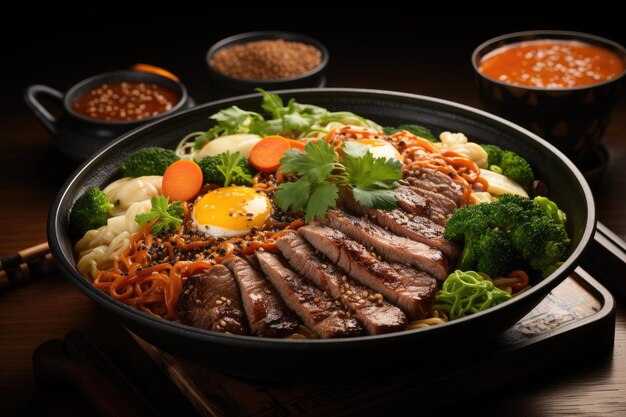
33, 171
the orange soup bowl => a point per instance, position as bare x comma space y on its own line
560, 85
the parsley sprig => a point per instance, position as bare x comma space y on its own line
169, 215
321, 173
230, 165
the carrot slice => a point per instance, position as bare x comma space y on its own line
265, 155
182, 180
296, 144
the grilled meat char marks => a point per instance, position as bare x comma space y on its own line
411, 290
437, 182
317, 309
376, 314
429, 204
211, 301
266, 311
398, 221
390, 246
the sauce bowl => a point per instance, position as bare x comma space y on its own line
572, 119
78, 136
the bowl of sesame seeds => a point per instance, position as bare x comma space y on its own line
267, 59
100, 108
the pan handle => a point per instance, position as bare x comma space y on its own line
45, 117
605, 259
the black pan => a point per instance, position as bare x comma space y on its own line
297, 359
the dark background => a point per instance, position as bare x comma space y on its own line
368, 47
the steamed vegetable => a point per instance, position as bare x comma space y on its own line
508, 233
182, 180
225, 169
499, 184
90, 211
510, 165
241, 143
148, 161
321, 173
464, 293
266, 155
417, 130
164, 215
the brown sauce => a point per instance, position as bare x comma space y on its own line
552, 64
124, 101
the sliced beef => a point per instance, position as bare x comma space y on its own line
211, 301
411, 290
267, 313
390, 246
316, 308
376, 314
398, 221
440, 207
437, 182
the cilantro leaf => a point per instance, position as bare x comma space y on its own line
321, 199
293, 195
369, 173
382, 199
169, 215
316, 163
230, 166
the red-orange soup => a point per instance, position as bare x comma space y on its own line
552, 64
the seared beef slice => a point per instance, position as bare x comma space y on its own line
211, 301
390, 246
376, 314
402, 223
315, 308
266, 311
411, 290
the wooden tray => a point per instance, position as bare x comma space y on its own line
577, 317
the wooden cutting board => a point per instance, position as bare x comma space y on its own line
578, 311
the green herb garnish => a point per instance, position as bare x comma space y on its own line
169, 215
321, 173
230, 166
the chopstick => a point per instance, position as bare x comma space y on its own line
21, 267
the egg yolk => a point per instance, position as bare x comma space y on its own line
381, 148
231, 211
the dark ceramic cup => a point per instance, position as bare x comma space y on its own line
223, 86
79, 136
572, 119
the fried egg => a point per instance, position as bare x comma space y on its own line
381, 148
231, 211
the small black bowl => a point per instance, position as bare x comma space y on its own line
572, 119
79, 136
223, 86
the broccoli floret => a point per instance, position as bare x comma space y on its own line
417, 130
494, 154
510, 165
148, 161
511, 232
90, 211
517, 168
542, 242
211, 172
